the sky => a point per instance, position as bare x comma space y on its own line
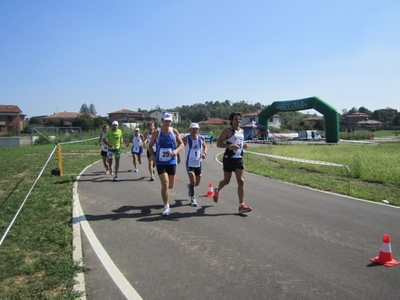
56, 56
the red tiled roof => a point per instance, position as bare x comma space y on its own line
65, 115
253, 114
124, 111
358, 115
212, 121
9, 108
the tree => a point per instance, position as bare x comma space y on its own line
92, 109
98, 122
35, 120
364, 110
353, 110
84, 109
85, 121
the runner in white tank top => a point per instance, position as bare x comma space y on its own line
196, 151
232, 140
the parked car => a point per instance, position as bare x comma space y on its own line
206, 136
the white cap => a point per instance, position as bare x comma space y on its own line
167, 117
114, 123
137, 128
194, 125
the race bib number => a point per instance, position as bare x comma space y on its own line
238, 152
135, 149
110, 155
104, 147
165, 154
194, 155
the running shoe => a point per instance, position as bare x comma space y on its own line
216, 195
243, 208
165, 211
115, 178
111, 171
193, 201
136, 170
188, 186
152, 178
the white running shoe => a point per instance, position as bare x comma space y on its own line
136, 170
165, 211
193, 201
115, 178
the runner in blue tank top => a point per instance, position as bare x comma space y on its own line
169, 144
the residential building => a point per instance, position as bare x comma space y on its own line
158, 113
368, 124
353, 119
313, 120
12, 120
274, 121
67, 118
125, 116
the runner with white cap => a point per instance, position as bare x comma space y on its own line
169, 144
114, 141
196, 151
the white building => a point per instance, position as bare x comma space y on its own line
157, 115
274, 121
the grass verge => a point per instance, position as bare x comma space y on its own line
36, 256
374, 170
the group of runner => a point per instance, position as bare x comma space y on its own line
164, 146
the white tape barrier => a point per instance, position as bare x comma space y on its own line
33, 185
308, 161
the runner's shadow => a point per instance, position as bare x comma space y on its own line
151, 213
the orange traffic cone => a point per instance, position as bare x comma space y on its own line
385, 254
210, 192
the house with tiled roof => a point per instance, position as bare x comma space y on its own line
274, 121
125, 116
66, 117
12, 120
353, 119
213, 121
313, 120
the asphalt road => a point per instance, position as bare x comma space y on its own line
296, 244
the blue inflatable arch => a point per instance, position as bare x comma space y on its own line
330, 113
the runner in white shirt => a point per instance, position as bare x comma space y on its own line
232, 139
196, 151
137, 148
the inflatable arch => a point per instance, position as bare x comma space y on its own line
330, 113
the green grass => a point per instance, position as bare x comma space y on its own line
36, 256
374, 170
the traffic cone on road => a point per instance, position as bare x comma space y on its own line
385, 254
210, 192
